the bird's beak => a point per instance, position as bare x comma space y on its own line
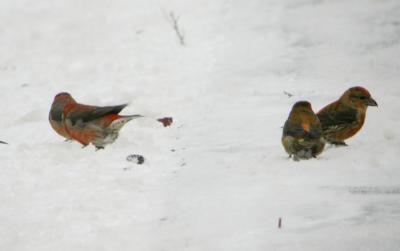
371, 102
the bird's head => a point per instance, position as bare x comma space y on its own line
64, 97
302, 105
359, 97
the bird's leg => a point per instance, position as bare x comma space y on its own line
296, 157
338, 143
99, 147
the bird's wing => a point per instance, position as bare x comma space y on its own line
293, 129
87, 113
315, 132
335, 120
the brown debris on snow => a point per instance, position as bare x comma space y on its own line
166, 121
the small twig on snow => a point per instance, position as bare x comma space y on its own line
288, 94
174, 20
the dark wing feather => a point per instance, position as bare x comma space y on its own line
95, 112
334, 120
294, 130
315, 132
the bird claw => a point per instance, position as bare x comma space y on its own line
99, 147
296, 158
338, 143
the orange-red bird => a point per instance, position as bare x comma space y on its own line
343, 118
55, 116
92, 124
302, 132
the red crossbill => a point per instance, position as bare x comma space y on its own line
302, 132
92, 124
343, 118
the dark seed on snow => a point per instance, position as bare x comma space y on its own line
138, 159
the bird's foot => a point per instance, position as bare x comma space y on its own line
99, 147
296, 158
338, 143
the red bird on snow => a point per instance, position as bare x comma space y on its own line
343, 118
85, 123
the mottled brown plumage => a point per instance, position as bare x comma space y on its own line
302, 132
343, 118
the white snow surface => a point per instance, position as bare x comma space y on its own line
218, 178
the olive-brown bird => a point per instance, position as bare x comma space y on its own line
55, 116
343, 118
92, 124
302, 132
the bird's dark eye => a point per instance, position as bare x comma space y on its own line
363, 97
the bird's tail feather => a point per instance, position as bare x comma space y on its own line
120, 122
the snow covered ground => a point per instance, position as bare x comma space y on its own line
218, 179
